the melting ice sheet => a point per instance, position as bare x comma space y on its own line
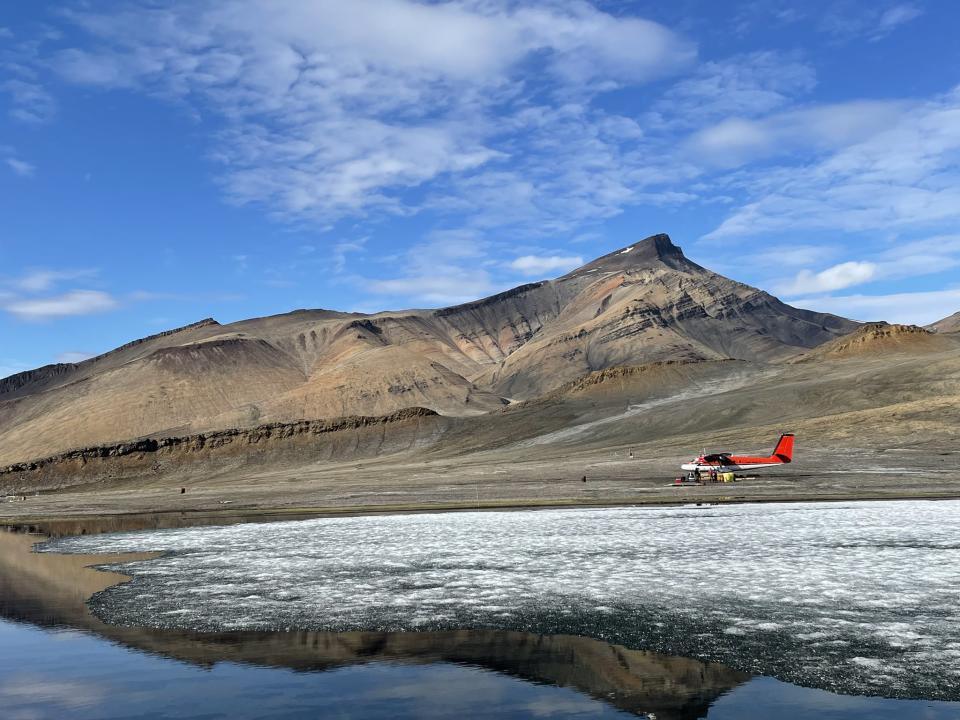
859, 598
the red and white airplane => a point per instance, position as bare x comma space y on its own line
725, 462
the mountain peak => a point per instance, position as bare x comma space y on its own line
656, 249
660, 245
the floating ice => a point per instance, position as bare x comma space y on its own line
856, 597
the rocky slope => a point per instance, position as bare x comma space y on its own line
276, 445
881, 338
949, 324
642, 304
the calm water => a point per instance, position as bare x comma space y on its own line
58, 660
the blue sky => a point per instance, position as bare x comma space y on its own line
161, 162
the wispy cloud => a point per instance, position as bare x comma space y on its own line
870, 21
540, 264
743, 85
450, 268
336, 109
904, 175
342, 249
75, 302
20, 167
837, 277
30, 101
445, 285
790, 256
28, 297
42, 279
737, 141
921, 308
902, 259
894, 17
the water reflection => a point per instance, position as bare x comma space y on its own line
50, 591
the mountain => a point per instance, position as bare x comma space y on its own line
642, 304
947, 325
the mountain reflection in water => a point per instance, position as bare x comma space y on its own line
356, 674
50, 590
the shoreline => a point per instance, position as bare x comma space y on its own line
67, 524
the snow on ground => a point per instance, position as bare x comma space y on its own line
855, 597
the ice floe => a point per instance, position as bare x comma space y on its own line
853, 597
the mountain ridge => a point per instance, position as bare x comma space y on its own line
644, 303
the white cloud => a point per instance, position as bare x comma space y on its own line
767, 266
837, 277
76, 302
736, 141
895, 260
20, 167
336, 109
895, 178
40, 280
445, 285
449, 268
331, 168
790, 256
894, 17
916, 308
569, 165
540, 264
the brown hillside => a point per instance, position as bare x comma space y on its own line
949, 324
878, 338
643, 304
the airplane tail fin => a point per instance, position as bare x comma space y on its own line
784, 449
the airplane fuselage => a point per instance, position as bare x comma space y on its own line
725, 462
730, 467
